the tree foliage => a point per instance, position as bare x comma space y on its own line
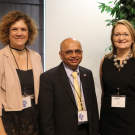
119, 9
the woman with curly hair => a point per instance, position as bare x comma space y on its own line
20, 69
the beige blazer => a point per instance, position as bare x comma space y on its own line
10, 88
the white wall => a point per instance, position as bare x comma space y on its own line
82, 20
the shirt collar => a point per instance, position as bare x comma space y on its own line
69, 71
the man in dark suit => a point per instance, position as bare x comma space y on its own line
67, 102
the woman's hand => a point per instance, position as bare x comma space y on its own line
3, 133
2, 130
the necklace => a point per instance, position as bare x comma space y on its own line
123, 63
16, 48
25, 84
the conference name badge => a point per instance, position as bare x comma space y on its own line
82, 116
118, 101
26, 102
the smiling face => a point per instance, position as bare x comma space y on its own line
122, 38
71, 60
18, 34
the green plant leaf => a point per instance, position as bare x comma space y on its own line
102, 9
107, 20
109, 10
109, 24
128, 1
132, 22
106, 8
125, 15
128, 7
117, 5
132, 10
113, 12
100, 6
121, 16
110, 47
113, 24
110, 2
106, 48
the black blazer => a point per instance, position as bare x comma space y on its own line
58, 113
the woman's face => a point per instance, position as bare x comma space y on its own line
122, 38
18, 34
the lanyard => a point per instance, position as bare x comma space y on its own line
20, 72
77, 92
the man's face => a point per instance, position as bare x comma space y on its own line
71, 53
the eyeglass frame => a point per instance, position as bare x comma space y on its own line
125, 35
73, 51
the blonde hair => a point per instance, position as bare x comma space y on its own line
132, 32
10, 19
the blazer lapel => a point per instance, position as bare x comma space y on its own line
7, 54
83, 79
34, 64
36, 73
65, 81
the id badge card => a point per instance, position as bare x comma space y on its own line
118, 101
82, 116
26, 102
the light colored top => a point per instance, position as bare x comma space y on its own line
10, 88
69, 72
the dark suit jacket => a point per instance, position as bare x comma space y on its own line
58, 113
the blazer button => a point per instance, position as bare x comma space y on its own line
75, 132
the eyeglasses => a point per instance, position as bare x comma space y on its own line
125, 35
70, 52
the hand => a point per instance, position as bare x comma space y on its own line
3, 133
2, 130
